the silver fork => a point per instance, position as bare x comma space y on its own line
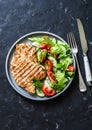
71, 40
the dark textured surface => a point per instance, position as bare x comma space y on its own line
70, 111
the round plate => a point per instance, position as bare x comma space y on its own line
21, 91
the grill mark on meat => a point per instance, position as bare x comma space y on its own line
38, 72
33, 58
34, 72
30, 89
20, 78
23, 70
33, 51
42, 75
30, 76
24, 84
19, 68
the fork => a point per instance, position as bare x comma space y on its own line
71, 40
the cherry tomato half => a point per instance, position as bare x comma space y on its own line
49, 64
43, 46
51, 76
70, 68
48, 47
48, 91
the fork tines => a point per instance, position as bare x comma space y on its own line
71, 39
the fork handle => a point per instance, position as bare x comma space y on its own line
82, 85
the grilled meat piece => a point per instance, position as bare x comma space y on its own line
24, 52
24, 67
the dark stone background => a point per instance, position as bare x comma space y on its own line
70, 111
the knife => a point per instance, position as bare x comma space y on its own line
85, 49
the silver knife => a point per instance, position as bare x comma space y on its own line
85, 49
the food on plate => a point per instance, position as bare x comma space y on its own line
44, 66
24, 51
24, 67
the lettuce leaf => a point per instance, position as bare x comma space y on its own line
69, 60
55, 49
36, 39
62, 80
59, 75
41, 55
63, 44
37, 83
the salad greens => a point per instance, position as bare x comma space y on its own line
41, 55
36, 39
55, 49
58, 53
37, 83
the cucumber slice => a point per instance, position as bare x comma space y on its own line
39, 93
47, 82
36, 44
53, 60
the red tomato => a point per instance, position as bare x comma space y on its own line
48, 91
48, 47
43, 46
70, 68
51, 76
50, 64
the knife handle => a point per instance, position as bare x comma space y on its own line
87, 71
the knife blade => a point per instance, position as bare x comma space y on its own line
84, 49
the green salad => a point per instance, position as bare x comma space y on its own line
56, 57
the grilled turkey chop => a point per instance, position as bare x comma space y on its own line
24, 67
